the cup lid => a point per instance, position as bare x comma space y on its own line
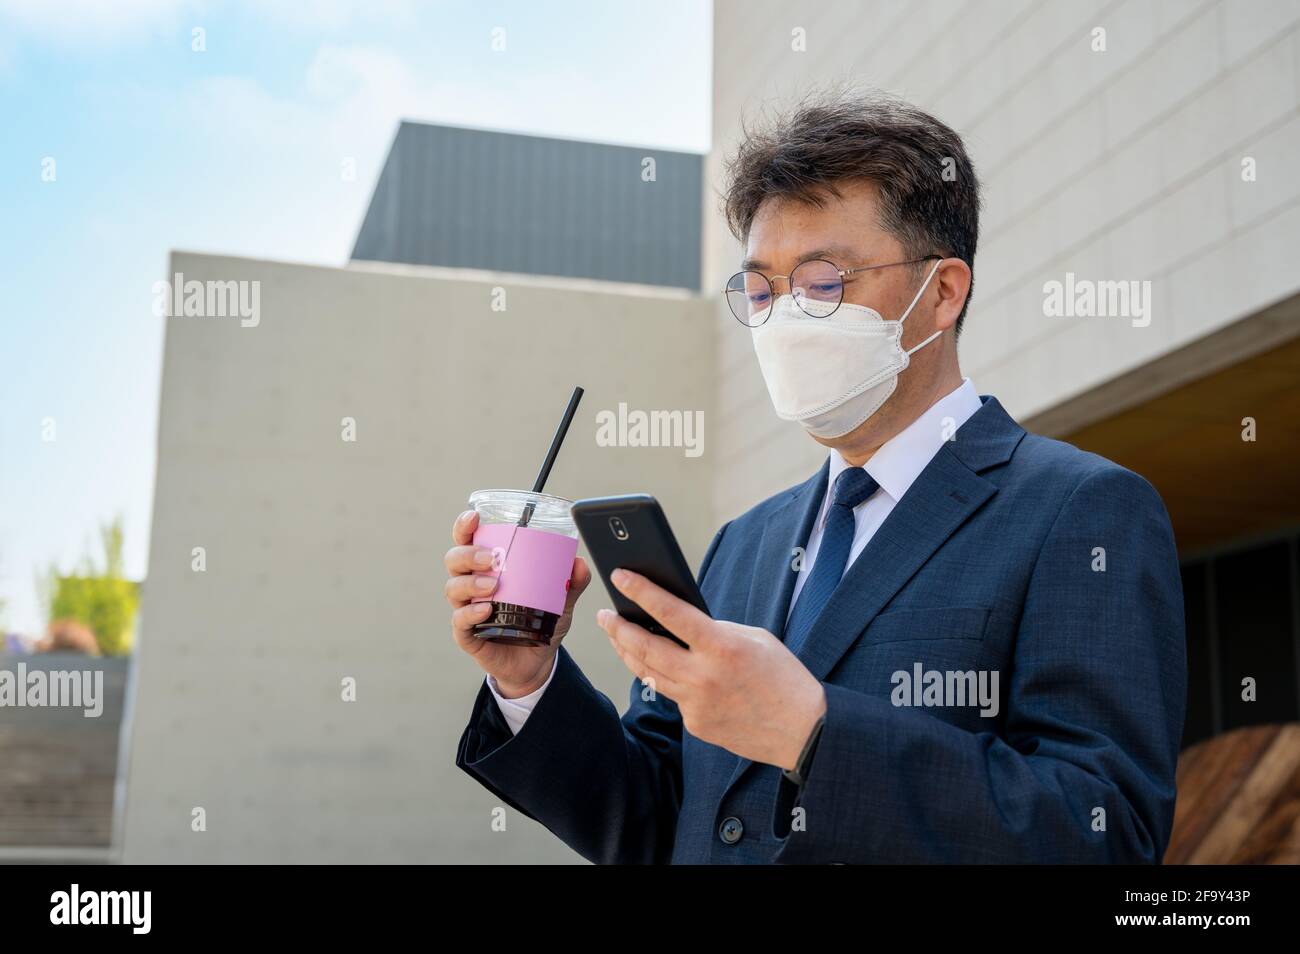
524, 495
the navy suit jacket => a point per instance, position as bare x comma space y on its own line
1010, 553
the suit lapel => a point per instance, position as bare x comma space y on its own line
939, 501
774, 575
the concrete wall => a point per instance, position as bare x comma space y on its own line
324, 558
1122, 165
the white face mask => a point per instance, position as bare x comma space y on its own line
831, 374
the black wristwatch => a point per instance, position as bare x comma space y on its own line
799, 774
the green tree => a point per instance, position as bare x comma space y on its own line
99, 596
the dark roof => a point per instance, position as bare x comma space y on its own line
474, 198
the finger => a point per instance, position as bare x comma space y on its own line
465, 619
649, 649
578, 581
650, 677
461, 589
628, 650
463, 527
467, 558
675, 615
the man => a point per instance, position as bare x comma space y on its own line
956, 642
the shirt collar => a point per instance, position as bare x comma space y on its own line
900, 460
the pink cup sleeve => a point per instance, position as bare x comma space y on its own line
537, 565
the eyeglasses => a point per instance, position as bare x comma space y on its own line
816, 285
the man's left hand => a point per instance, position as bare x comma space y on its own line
737, 686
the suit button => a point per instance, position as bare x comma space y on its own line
730, 830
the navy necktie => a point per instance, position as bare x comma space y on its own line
852, 487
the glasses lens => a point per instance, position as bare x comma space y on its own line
749, 295
817, 287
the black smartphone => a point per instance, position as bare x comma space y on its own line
632, 532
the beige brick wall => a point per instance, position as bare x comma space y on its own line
1122, 165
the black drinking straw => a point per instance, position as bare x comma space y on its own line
551, 454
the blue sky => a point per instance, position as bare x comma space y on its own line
238, 150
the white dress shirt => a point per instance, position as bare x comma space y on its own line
895, 466
897, 463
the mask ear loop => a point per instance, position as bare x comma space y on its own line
912, 351
919, 292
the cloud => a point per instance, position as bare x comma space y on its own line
74, 22
255, 147
371, 89
333, 15
104, 22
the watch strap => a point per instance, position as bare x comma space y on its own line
799, 774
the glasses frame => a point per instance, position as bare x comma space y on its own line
843, 273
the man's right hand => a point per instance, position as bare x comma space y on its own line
518, 670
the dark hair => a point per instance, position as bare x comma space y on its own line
929, 194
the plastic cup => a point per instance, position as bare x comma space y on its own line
533, 564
